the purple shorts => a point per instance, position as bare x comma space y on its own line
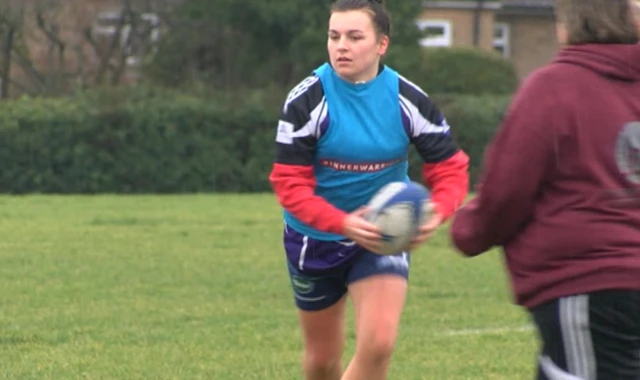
320, 271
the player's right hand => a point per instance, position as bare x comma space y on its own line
363, 233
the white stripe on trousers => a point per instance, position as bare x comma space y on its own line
303, 252
576, 335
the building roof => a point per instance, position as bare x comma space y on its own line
506, 5
461, 4
528, 3
542, 8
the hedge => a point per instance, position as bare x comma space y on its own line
151, 141
465, 71
473, 120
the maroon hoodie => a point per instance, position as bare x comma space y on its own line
560, 188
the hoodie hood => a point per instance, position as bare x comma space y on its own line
618, 61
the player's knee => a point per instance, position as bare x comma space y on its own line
321, 362
381, 349
378, 344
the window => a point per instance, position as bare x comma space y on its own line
136, 39
438, 33
501, 39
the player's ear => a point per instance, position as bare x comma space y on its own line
383, 44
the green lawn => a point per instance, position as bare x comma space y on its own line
195, 287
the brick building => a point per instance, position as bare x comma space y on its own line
523, 31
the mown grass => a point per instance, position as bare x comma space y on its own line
195, 287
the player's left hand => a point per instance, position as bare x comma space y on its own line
427, 229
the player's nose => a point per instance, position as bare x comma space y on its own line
342, 44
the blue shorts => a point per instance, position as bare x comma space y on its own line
320, 271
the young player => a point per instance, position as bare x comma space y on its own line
345, 132
560, 192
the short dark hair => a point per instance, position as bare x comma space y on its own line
598, 21
379, 13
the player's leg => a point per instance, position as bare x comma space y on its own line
377, 286
323, 333
614, 319
592, 336
320, 299
552, 362
321, 307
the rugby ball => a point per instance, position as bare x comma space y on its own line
399, 209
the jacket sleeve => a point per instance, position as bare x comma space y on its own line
445, 170
515, 165
448, 181
292, 175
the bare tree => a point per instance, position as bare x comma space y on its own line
17, 19
52, 52
11, 16
133, 32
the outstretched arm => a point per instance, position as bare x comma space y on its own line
515, 165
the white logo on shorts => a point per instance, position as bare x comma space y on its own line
399, 262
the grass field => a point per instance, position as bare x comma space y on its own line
194, 287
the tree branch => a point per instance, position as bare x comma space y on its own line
29, 69
6, 63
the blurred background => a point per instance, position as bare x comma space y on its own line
183, 95
139, 238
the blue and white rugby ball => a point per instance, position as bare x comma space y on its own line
399, 209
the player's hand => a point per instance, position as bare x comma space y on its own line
363, 233
427, 229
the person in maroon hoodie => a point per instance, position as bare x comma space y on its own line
560, 194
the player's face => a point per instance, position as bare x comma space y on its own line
562, 35
636, 8
354, 46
